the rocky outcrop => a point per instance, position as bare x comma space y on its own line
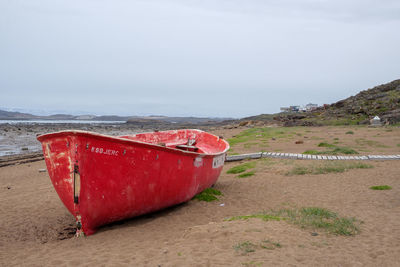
382, 100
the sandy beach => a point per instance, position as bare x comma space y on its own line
37, 230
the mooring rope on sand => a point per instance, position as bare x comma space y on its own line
307, 157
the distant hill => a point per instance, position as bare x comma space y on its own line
138, 120
179, 122
382, 101
10, 115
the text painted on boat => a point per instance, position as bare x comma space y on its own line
218, 161
100, 150
198, 162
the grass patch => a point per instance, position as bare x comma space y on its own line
313, 152
328, 167
335, 150
339, 121
246, 174
242, 167
208, 195
349, 132
261, 134
268, 244
343, 150
398, 145
324, 144
312, 217
245, 247
299, 170
381, 187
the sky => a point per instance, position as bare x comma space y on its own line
205, 58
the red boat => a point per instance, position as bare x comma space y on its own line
101, 179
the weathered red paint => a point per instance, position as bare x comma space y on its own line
122, 177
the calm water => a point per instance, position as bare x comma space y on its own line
57, 122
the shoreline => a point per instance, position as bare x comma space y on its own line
20, 139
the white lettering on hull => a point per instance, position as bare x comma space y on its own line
218, 161
100, 150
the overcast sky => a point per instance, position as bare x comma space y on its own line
221, 58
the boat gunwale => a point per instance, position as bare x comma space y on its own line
42, 137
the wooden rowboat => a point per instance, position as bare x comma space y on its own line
101, 179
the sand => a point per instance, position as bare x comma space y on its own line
37, 230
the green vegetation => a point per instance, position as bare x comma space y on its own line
300, 170
339, 121
261, 134
343, 150
246, 174
394, 96
335, 151
208, 195
314, 152
324, 144
328, 167
268, 244
311, 217
349, 132
381, 187
242, 167
398, 145
245, 247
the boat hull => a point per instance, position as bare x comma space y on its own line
102, 179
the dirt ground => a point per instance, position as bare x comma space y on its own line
37, 230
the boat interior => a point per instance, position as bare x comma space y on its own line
187, 140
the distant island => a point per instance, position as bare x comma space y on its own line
20, 116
